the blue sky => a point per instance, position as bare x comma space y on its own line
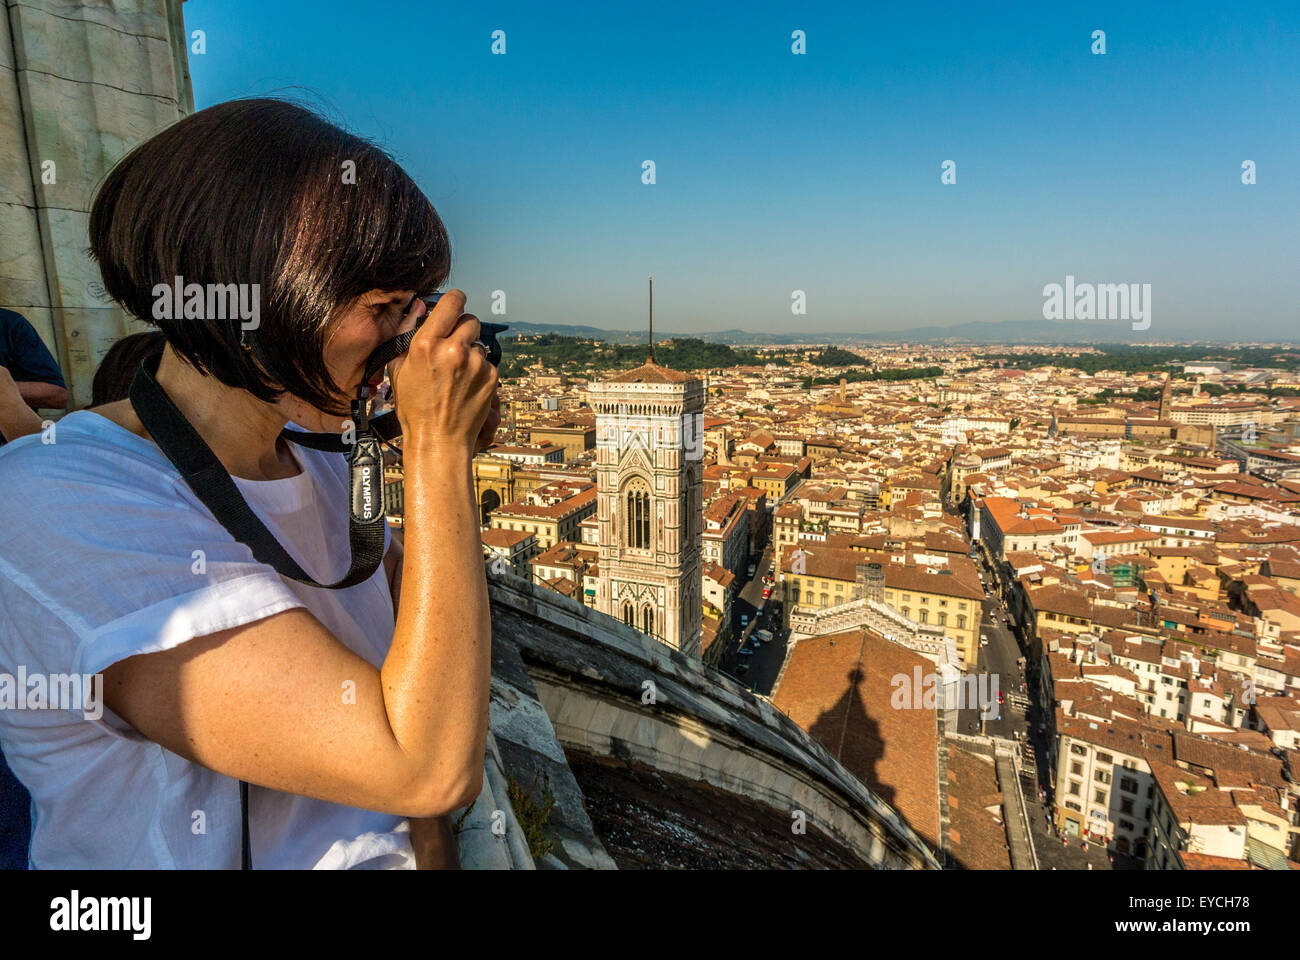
820, 172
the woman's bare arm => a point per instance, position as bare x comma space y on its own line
432, 838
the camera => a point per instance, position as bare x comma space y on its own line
487, 334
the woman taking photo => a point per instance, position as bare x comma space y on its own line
359, 722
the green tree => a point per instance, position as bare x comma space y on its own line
837, 357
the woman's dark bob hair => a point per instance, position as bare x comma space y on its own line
266, 192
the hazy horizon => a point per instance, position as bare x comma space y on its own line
1070, 336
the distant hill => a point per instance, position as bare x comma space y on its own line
521, 328
976, 332
731, 336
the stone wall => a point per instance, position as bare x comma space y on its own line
81, 84
595, 675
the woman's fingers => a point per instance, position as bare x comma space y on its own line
445, 384
440, 322
466, 331
442, 319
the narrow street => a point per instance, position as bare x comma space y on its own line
1021, 714
764, 664
998, 659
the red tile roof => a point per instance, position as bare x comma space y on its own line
650, 372
977, 841
839, 689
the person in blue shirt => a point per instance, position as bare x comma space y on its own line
28, 373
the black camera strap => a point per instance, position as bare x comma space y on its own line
245, 846
212, 484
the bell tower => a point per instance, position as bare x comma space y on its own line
649, 480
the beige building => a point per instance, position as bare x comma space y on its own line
550, 523
940, 598
724, 539
530, 455
787, 523
1225, 414
1104, 786
514, 547
567, 567
817, 577
574, 439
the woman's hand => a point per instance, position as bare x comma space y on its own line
445, 388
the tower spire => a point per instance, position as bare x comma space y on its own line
652, 318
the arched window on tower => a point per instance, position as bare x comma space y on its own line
648, 620
693, 517
636, 514
627, 613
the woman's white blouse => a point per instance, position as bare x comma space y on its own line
105, 553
